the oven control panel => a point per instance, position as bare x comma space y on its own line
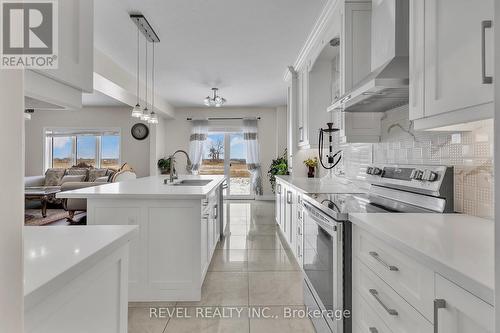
424, 177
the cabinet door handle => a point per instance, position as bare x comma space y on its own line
215, 211
390, 311
206, 216
375, 256
288, 197
373, 330
279, 188
438, 304
487, 24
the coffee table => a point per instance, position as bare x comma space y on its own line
41, 193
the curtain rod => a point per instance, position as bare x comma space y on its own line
223, 118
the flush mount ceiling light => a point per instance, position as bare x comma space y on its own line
215, 99
150, 37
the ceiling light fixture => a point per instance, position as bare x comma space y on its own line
215, 100
150, 37
137, 111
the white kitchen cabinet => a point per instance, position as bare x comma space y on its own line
61, 88
303, 108
278, 203
328, 71
292, 106
451, 62
362, 127
458, 311
355, 43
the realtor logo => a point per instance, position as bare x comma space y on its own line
29, 34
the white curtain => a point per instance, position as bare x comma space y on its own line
253, 159
199, 133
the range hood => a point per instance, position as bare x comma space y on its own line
387, 86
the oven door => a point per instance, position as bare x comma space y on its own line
323, 267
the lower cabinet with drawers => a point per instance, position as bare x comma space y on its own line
289, 216
393, 292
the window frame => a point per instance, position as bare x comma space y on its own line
73, 133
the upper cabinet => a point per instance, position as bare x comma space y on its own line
62, 87
451, 62
338, 56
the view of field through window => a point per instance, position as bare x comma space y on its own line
215, 156
95, 150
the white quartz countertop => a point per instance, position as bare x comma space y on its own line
322, 185
458, 247
53, 256
147, 188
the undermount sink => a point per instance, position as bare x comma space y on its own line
191, 182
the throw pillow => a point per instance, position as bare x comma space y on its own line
73, 179
74, 171
96, 173
53, 177
102, 179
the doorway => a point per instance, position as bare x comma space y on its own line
225, 154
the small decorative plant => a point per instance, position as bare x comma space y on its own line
164, 165
312, 164
278, 166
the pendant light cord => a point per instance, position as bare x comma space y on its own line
146, 73
138, 66
153, 82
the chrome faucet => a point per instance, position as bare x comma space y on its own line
173, 174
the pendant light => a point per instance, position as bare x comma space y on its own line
153, 119
137, 111
145, 112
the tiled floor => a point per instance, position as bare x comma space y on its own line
251, 270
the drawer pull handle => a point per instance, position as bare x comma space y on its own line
438, 304
375, 256
390, 311
373, 330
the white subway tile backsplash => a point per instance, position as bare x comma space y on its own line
471, 153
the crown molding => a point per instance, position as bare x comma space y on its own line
319, 27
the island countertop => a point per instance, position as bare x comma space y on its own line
152, 187
55, 255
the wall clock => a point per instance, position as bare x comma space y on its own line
140, 131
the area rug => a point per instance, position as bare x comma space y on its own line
33, 217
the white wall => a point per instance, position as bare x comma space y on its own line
11, 200
272, 132
135, 152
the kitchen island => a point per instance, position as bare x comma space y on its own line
179, 227
75, 278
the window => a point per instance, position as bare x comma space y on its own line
65, 148
86, 149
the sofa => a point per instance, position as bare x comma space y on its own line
77, 177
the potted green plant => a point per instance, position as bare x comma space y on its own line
312, 164
164, 165
278, 166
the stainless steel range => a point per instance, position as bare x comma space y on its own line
327, 230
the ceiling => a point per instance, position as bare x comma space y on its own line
240, 46
99, 99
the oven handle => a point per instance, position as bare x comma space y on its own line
324, 221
